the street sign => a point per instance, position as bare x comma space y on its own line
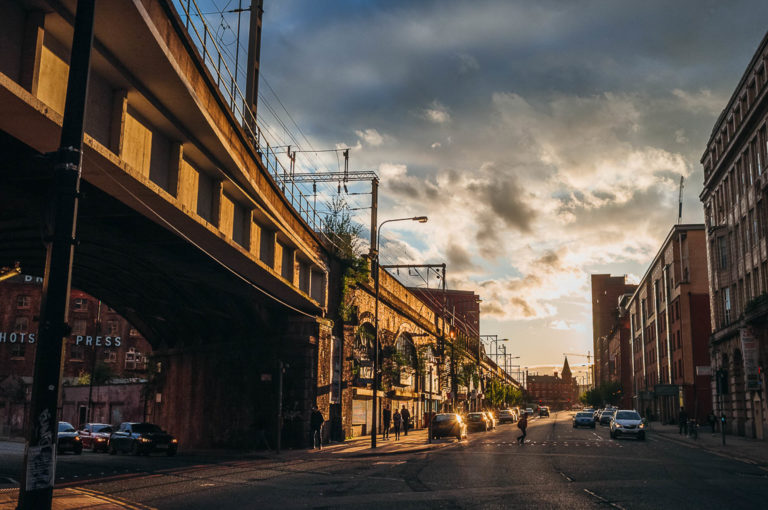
704, 370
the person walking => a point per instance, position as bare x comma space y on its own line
522, 424
712, 420
682, 420
397, 420
386, 420
406, 415
316, 420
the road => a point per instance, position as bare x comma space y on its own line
559, 468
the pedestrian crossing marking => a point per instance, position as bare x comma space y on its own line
588, 443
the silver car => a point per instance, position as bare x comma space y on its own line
627, 422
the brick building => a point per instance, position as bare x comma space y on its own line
606, 291
735, 199
558, 391
669, 331
101, 341
617, 359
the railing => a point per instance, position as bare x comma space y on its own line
216, 60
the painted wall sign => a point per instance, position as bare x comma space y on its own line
13, 337
749, 351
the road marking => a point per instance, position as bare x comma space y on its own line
392, 462
614, 505
566, 476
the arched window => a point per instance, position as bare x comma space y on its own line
406, 350
364, 342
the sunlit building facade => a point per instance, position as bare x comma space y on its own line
669, 334
735, 198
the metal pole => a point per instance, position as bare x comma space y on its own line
279, 404
375, 264
374, 212
254, 51
38, 472
429, 411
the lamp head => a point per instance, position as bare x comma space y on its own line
420, 219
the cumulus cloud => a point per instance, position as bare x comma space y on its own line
436, 113
370, 136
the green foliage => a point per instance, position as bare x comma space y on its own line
466, 374
341, 231
499, 394
608, 393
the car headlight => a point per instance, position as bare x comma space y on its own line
174, 440
618, 425
144, 440
77, 438
642, 426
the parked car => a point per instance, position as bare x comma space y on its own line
627, 422
448, 424
583, 419
529, 411
507, 416
478, 421
96, 436
142, 438
491, 419
68, 439
543, 411
606, 416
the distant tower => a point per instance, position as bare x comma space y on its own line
566, 373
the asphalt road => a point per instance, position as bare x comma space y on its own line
559, 468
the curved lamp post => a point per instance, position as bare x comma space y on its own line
375, 263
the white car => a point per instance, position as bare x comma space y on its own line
627, 422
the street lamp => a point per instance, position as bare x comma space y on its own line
375, 264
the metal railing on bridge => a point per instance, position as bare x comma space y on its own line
216, 61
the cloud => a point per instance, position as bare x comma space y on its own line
701, 101
370, 136
436, 113
467, 63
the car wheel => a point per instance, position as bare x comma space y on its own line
642, 436
458, 437
134, 448
171, 452
112, 449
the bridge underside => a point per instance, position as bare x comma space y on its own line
216, 336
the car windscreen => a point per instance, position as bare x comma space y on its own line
474, 416
146, 428
66, 427
444, 417
584, 415
627, 415
101, 428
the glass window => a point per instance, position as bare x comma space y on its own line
21, 325
80, 304
79, 326
23, 301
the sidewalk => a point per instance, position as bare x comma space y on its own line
73, 498
740, 448
414, 442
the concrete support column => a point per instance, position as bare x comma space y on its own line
119, 114
254, 239
31, 50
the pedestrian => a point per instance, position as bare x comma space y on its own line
522, 424
397, 419
712, 420
682, 420
406, 415
386, 420
316, 420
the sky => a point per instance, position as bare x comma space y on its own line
544, 139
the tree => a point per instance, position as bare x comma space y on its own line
608, 393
